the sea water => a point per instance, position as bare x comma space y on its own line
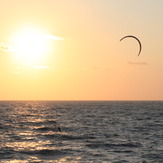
81, 131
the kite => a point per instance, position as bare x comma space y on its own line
140, 46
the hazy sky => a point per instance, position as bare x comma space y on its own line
87, 62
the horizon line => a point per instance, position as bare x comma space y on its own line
80, 100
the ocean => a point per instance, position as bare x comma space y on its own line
81, 131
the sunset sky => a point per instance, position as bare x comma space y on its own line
70, 50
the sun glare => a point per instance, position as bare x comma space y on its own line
30, 46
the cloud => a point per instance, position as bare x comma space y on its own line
40, 67
5, 47
52, 37
138, 63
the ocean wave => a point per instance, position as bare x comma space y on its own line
68, 136
45, 129
113, 145
153, 156
45, 152
90, 131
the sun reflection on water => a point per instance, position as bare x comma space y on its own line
34, 136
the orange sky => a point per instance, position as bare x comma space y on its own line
84, 60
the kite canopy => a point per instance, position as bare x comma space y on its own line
140, 46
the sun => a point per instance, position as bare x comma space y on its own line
30, 46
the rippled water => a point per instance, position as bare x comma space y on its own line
90, 131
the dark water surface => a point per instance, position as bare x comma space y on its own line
108, 131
